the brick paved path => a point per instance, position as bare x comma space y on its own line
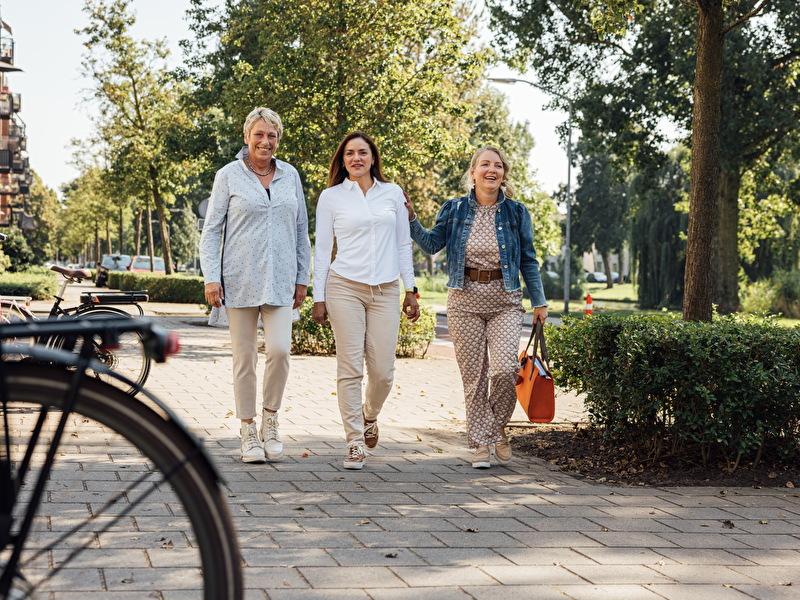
418, 522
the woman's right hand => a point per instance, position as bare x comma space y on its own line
411, 214
214, 294
320, 313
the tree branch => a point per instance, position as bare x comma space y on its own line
756, 148
589, 41
693, 5
785, 58
749, 15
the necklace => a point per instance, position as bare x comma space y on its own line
250, 166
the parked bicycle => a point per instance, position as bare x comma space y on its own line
129, 359
140, 493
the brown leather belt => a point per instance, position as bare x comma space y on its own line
483, 275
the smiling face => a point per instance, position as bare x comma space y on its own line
488, 172
357, 158
262, 141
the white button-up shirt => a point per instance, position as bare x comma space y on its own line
265, 250
373, 239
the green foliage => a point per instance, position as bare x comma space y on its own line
15, 247
414, 338
161, 288
412, 342
778, 295
658, 240
39, 284
731, 387
43, 205
397, 69
308, 337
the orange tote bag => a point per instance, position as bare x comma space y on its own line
535, 390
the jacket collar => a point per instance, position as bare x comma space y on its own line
473, 201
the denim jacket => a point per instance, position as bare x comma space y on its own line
514, 238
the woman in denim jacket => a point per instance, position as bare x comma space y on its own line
489, 243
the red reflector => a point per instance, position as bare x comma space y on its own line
172, 345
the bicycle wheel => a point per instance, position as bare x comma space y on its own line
132, 503
11, 312
129, 359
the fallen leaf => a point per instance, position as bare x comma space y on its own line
299, 508
391, 555
364, 522
763, 522
728, 524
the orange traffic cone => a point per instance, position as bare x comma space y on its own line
589, 305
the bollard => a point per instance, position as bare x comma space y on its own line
589, 305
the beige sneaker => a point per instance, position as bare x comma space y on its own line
502, 452
252, 450
271, 437
356, 456
480, 460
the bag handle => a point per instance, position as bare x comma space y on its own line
538, 341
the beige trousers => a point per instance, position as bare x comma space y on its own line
365, 321
243, 324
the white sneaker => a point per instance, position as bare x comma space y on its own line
271, 438
252, 450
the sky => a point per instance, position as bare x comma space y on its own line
52, 88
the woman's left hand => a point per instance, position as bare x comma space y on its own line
411, 306
299, 295
540, 314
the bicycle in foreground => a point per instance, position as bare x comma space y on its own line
101, 491
128, 359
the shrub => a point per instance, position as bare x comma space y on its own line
731, 386
162, 288
412, 342
778, 295
38, 283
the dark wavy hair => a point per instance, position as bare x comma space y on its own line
338, 173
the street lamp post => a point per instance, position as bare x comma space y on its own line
566, 249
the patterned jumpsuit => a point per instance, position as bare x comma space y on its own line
485, 322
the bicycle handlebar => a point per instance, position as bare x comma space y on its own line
159, 343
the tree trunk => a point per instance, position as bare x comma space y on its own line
150, 247
97, 242
705, 162
725, 248
137, 243
607, 267
121, 237
109, 245
162, 221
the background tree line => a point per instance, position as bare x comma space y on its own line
412, 74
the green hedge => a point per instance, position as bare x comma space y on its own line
730, 388
162, 288
413, 340
38, 283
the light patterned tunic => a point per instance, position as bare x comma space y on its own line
254, 243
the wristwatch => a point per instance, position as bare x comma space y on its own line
414, 291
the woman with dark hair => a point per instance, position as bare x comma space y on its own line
489, 242
359, 291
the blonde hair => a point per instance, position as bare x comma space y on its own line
507, 187
267, 115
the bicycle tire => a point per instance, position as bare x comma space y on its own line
11, 312
129, 430
129, 360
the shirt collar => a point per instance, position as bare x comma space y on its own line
349, 184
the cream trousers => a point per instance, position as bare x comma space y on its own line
243, 324
365, 321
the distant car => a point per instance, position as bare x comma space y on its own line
110, 262
600, 277
141, 264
